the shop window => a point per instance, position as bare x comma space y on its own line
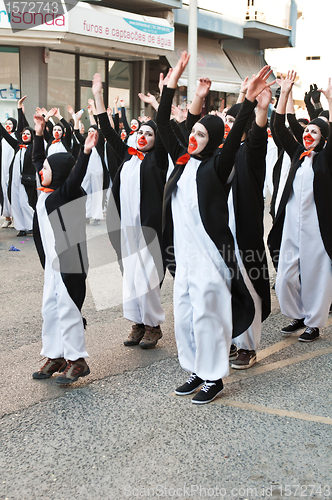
61, 82
9, 82
119, 77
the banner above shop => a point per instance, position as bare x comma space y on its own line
91, 21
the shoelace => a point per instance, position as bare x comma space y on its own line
207, 386
191, 378
295, 322
69, 365
310, 329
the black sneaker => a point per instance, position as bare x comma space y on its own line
190, 386
309, 334
233, 352
209, 392
21, 233
293, 326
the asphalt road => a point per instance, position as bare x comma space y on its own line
122, 433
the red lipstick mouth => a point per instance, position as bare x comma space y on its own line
56, 135
227, 130
25, 137
134, 128
8, 128
192, 146
308, 140
142, 142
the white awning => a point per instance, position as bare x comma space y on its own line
212, 63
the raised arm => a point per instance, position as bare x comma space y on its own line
286, 139
78, 172
38, 151
328, 148
109, 133
124, 117
22, 121
225, 159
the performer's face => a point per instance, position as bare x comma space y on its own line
46, 174
26, 136
311, 136
145, 138
134, 125
57, 132
9, 126
198, 139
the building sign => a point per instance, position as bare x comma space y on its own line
91, 21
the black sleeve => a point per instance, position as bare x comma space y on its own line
76, 175
328, 149
124, 120
79, 136
38, 153
178, 132
256, 147
22, 122
273, 132
48, 131
295, 127
116, 122
164, 126
191, 120
68, 131
224, 161
10, 139
289, 144
111, 136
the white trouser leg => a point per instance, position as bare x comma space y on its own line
96, 180
288, 286
27, 211
63, 331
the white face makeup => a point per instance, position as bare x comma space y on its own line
46, 174
26, 136
198, 139
145, 138
57, 132
311, 136
9, 126
134, 125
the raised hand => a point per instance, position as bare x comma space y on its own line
328, 91
116, 99
287, 83
70, 109
90, 141
20, 102
39, 111
97, 84
245, 84
203, 87
164, 80
178, 70
258, 83
109, 112
264, 98
57, 114
122, 103
39, 124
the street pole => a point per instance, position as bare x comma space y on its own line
192, 49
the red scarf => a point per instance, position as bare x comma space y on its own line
134, 152
183, 160
306, 153
46, 190
23, 146
56, 140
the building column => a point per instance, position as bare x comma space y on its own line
33, 79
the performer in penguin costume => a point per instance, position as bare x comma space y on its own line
61, 232
246, 208
6, 156
211, 300
97, 179
21, 191
134, 224
60, 141
300, 240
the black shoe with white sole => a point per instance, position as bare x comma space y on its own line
309, 335
233, 352
190, 386
293, 326
209, 392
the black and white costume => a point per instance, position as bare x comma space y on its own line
6, 157
22, 193
134, 225
300, 240
211, 301
62, 145
61, 244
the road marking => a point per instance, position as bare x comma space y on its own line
258, 370
274, 411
